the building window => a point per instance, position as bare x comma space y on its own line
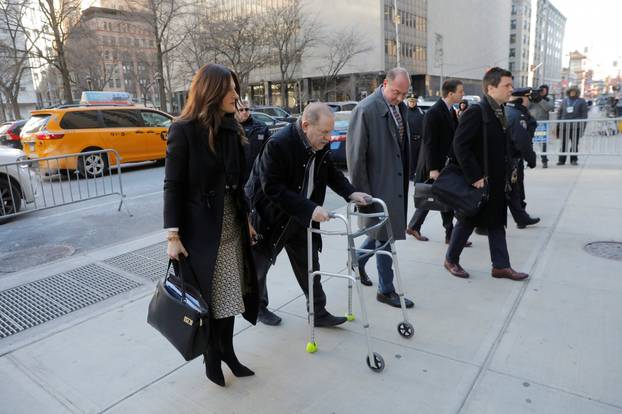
512, 24
512, 52
511, 67
513, 38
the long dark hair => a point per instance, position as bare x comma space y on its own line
209, 87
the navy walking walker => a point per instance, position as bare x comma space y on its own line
374, 360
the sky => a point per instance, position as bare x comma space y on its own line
594, 24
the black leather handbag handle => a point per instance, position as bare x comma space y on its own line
181, 275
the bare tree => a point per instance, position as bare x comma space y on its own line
14, 51
59, 19
340, 47
290, 32
161, 16
237, 40
88, 59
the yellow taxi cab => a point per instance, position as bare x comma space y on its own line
136, 133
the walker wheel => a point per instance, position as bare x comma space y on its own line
350, 317
378, 363
311, 347
406, 329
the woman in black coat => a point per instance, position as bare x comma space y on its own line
206, 213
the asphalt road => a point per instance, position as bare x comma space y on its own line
43, 236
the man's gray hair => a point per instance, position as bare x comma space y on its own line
314, 111
392, 74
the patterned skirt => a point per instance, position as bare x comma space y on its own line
226, 297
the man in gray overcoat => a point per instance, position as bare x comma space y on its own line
377, 150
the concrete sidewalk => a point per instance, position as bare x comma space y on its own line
548, 345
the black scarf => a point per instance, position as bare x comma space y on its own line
228, 150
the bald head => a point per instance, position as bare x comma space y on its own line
317, 122
396, 85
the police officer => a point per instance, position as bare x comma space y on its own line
256, 132
415, 123
522, 127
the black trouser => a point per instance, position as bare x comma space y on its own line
419, 217
544, 157
296, 247
496, 242
517, 196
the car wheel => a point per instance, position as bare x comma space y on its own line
10, 197
93, 165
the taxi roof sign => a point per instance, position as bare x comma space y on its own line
105, 98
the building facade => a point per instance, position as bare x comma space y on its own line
520, 30
548, 43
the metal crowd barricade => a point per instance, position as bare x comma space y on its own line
580, 137
374, 360
44, 183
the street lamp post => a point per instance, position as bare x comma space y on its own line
396, 20
158, 78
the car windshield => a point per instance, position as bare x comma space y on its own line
35, 124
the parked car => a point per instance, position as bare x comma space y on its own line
272, 124
17, 182
136, 133
424, 104
342, 105
275, 112
9, 133
338, 137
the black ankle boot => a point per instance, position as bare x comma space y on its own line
235, 366
213, 370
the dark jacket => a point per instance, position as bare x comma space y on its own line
277, 184
415, 125
257, 134
522, 127
378, 164
439, 127
468, 149
194, 190
572, 108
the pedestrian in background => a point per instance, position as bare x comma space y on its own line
522, 126
469, 154
462, 107
205, 210
256, 132
377, 152
541, 109
439, 125
415, 124
572, 107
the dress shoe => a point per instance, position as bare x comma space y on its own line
482, 231
508, 273
545, 164
467, 244
532, 220
560, 163
575, 162
325, 319
416, 234
456, 270
365, 280
268, 318
393, 299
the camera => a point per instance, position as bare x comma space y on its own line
535, 95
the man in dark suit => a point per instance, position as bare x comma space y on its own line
469, 153
439, 125
415, 125
256, 132
286, 190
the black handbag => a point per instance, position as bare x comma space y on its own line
179, 313
452, 188
426, 200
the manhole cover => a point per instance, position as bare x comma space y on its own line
607, 250
33, 256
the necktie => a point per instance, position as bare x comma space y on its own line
400, 122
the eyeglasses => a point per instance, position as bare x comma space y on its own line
244, 110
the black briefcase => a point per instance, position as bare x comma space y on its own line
453, 189
179, 313
425, 199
